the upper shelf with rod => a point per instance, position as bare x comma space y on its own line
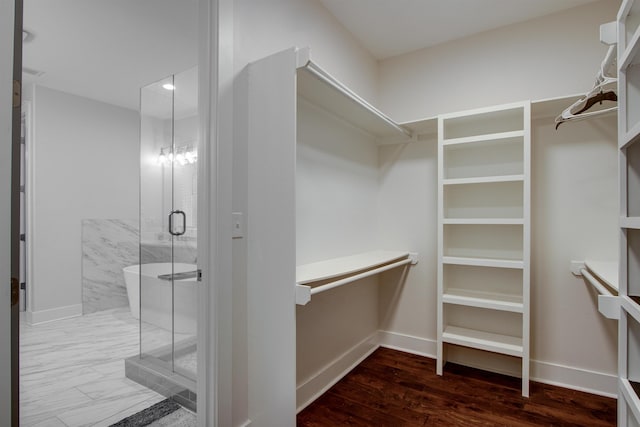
322, 89
346, 270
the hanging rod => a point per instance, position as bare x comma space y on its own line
304, 293
594, 282
304, 61
608, 302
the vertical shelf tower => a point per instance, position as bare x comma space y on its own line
629, 169
484, 233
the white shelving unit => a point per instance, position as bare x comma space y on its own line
629, 169
484, 232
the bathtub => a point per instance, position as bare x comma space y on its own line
156, 296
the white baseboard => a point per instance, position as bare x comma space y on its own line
58, 313
575, 378
543, 372
408, 343
322, 381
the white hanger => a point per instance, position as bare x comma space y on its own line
604, 79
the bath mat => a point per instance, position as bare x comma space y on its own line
180, 418
149, 415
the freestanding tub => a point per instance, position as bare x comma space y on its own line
157, 298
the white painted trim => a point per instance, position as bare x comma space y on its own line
573, 378
598, 383
53, 314
246, 424
322, 381
408, 343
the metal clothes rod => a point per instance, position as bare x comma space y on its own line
341, 282
328, 79
594, 282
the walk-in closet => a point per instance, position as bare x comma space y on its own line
438, 221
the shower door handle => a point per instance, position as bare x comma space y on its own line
177, 231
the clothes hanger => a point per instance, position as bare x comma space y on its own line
577, 110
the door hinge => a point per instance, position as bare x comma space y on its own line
15, 291
23, 286
17, 94
23, 237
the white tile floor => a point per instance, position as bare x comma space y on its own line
72, 371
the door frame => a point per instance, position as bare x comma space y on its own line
215, 109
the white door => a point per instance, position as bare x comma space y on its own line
8, 304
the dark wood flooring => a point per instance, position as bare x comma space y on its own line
393, 388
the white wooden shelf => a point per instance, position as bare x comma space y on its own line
481, 340
483, 180
479, 299
322, 89
483, 262
483, 221
483, 138
342, 266
348, 269
630, 222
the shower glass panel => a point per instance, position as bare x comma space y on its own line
168, 224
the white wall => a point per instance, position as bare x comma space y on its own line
555, 55
85, 165
265, 27
6, 71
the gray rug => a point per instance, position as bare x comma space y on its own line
165, 413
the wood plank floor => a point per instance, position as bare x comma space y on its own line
392, 388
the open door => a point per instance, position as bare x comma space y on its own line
10, 112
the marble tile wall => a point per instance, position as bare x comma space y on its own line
108, 245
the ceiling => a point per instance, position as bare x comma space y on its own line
391, 27
109, 49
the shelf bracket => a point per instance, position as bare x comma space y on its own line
303, 294
413, 256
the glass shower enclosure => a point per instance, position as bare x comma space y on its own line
169, 276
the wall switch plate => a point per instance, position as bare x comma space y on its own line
238, 225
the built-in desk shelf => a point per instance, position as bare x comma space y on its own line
346, 270
497, 343
483, 221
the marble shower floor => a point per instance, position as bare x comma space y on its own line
72, 371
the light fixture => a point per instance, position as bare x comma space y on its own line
168, 86
162, 158
183, 156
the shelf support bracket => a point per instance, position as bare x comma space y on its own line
303, 294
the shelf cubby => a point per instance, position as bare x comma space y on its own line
486, 287
483, 241
491, 121
492, 157
484, 200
